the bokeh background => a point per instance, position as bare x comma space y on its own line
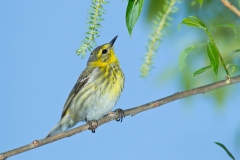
38, 68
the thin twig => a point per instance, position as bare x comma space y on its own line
231, 7
128, 112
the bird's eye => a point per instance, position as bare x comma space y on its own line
104, 51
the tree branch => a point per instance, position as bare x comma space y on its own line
128, 112
231, 7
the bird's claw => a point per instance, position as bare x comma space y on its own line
120, 113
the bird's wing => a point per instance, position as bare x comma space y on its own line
82, 80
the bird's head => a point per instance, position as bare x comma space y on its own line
103, 55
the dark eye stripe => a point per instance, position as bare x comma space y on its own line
104, 51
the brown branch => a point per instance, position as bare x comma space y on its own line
231, 7
128, 112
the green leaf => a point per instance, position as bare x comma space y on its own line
231, 53
237, 50
200, 2
226, 25
213, 56
193, 2
184, 54
199, 21
197, 1
134, 9
226, 150
201, 70
194, 22
233, 67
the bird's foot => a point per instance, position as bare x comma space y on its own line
120, 114
92, 125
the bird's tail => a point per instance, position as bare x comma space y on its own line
65, 123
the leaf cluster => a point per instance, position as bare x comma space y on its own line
212, 50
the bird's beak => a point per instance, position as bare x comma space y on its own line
112, 41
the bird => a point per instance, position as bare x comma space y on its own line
96, 91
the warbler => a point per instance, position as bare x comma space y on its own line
96, 91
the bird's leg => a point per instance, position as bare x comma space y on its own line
92, 125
